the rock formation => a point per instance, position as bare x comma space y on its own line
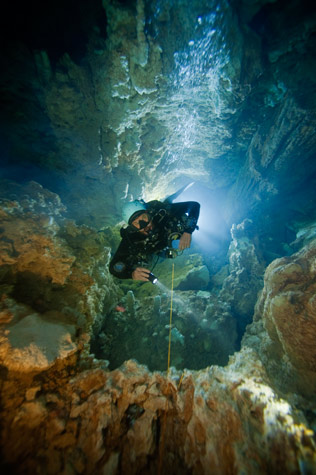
286, 314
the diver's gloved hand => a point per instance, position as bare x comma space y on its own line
140, 273
185, 241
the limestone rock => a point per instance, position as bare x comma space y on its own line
287, 311
240, 289
170, 90
151, 94
304, 235
54, 280
224, 418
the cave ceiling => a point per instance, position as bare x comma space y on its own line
103, 102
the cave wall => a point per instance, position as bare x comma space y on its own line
285, 322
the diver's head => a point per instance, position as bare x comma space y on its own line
135, 214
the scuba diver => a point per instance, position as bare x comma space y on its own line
152, 228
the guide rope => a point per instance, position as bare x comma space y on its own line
170, 320
163, 427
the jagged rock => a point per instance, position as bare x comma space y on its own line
142, 101
61, 409
29, 244
305, 235
218, 279
287, 311
55, 275
240, 289
223, 418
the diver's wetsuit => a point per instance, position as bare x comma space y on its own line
170, 221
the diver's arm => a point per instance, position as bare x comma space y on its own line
120, 265
188, 212
118, 270
123, 265
185, 241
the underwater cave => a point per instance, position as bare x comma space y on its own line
211, 370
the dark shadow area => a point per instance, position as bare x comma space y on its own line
57, 26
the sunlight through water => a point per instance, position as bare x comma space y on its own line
194, 89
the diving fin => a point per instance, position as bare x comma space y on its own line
175, 195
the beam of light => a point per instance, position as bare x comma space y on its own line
195, 99
163, 288
195, 92
176, 299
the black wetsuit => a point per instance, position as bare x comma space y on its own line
170, 221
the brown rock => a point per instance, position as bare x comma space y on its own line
287, 308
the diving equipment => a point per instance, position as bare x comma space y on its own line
172, 253
143, 224
153, 279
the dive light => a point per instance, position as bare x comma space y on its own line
153, 279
